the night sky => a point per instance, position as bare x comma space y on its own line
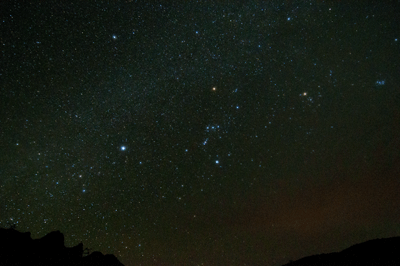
190, 132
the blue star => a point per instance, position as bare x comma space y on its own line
380, 82
123, 148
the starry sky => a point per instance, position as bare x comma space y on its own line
201, 132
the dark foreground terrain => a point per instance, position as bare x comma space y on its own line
18, 248
380, 252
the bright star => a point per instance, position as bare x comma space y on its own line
123, 148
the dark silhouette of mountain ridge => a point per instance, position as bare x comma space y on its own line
382, 252
17, 248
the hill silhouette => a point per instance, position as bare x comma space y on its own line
382, 252
17, 248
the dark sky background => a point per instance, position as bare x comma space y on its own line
214, 132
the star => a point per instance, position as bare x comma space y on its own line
123, 148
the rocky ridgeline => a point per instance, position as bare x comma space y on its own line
379, 252
18, 248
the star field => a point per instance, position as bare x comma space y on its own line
201, 133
